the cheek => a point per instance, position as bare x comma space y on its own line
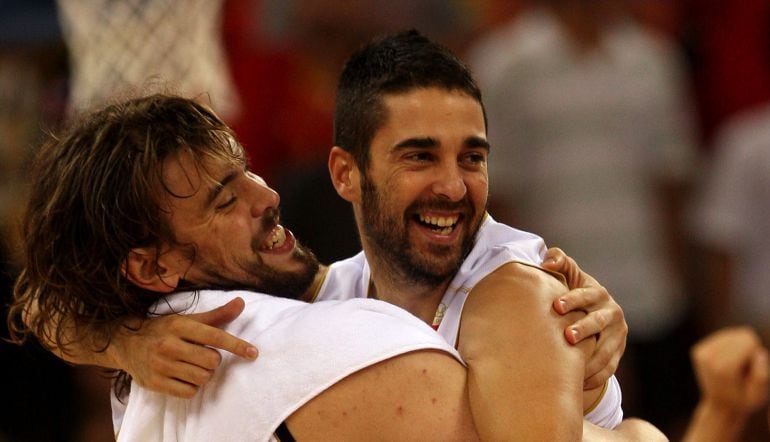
408, 188
478, 189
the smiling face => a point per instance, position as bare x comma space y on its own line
424, 193
230, 216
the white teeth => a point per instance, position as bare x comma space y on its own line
440, 221
276, 238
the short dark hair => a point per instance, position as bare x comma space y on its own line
96, 193
390, 65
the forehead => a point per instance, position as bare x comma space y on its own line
188, 175
433, 112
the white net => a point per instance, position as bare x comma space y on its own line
127, 45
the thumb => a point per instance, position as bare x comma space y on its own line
221, 315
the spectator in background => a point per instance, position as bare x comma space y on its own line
729, 45
577, 93
730, 221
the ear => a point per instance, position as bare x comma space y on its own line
345, 174
143, 268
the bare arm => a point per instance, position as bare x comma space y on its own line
418, 396
171, 354
629, 430
732, 371
513, 343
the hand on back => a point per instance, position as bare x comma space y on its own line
177, 354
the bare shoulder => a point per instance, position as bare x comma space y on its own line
514, 292
512, 340
515, 277
415, 396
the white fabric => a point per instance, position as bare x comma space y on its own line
580, 141
496, 244
608, 413
732, 212
304, 349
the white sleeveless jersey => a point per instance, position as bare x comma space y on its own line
304, 349
496, 244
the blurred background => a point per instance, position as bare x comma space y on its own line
634, 134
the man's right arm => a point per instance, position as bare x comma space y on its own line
523, 376
172, 354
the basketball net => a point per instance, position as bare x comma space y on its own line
117, 46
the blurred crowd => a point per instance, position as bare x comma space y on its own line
633, 134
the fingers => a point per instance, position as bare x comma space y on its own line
179, 371
185, 352
169, 386
554, 259
732, 368
609, 347
590, 325
586, 299
557, 261
206, 335
597, 380
724, 353
201, 328
603, 364
221, 315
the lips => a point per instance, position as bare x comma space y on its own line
279, 240
439, 224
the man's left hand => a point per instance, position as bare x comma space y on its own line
604, 317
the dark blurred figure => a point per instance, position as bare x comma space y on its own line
37, 388
589, 113
729, 47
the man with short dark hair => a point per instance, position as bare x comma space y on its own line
411, 156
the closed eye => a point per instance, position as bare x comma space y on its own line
230, 201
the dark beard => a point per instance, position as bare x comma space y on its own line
394, 247
289, 284
264, 279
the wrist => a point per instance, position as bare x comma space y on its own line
716, 421
119, 340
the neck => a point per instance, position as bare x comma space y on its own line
388, 285
312, 291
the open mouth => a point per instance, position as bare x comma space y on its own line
438, 224
275, 239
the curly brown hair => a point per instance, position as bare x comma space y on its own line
96, 193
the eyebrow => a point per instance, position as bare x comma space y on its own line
475, 141
423, 142
429, 142
217, 188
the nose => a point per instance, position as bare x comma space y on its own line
261, 196
450, 183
